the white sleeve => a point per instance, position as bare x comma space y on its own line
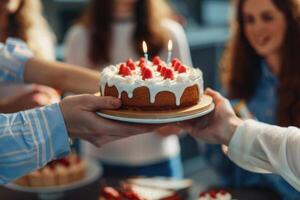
264, 148
76, 46
181, 48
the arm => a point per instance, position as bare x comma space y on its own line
30, 139
254, 146
262, 148
18, 65
60, 75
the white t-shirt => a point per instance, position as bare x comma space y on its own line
143, 149
264, 148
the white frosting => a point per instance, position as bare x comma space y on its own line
110, 76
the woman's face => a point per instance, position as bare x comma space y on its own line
264, 26
10, 6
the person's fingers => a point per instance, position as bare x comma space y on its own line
98, 103
217, 97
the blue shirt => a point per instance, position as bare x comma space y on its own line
28, 139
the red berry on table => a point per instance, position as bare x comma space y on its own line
163, 71
202, 194
147, 74
182, 69
169, 74
156, 60
213, 194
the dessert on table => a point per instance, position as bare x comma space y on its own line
58, 172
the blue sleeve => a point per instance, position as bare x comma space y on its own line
30, 139
13, 56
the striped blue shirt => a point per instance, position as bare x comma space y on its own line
31, 138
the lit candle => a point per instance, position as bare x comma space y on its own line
145, 49
170, 46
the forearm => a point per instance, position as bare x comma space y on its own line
263, 148
66, 77
29, 140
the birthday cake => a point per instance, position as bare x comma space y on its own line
156, 85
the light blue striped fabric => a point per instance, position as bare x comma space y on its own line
29, 139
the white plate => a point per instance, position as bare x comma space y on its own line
93, 172
156, 120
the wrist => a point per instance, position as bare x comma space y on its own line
233, 124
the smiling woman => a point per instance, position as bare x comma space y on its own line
261, 67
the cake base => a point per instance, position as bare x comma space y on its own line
204, 107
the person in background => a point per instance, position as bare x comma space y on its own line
110, 32
23, 19
253, 145
261, 69
30, 139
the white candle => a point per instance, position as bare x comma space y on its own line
170, 46
145, 49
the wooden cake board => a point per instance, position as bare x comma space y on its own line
205, 103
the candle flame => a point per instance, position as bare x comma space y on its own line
170, 45
145, 49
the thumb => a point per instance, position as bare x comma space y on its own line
106, 102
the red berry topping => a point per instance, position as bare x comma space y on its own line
159, 67
142, 60
213, 194
202, 194
131, 66
175, 60
142, 65
156, 60
177, 66
182, 69
163, 71
147, 74
124, 70
65, 162
129, 61
169, 74
223, 192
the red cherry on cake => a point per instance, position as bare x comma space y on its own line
175, 60
181, 69
156, 60
169, 74
124, 70
129, 60
131, 66
163, 71
177, 66
142, 60
146, 74
159, 67
142, 65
